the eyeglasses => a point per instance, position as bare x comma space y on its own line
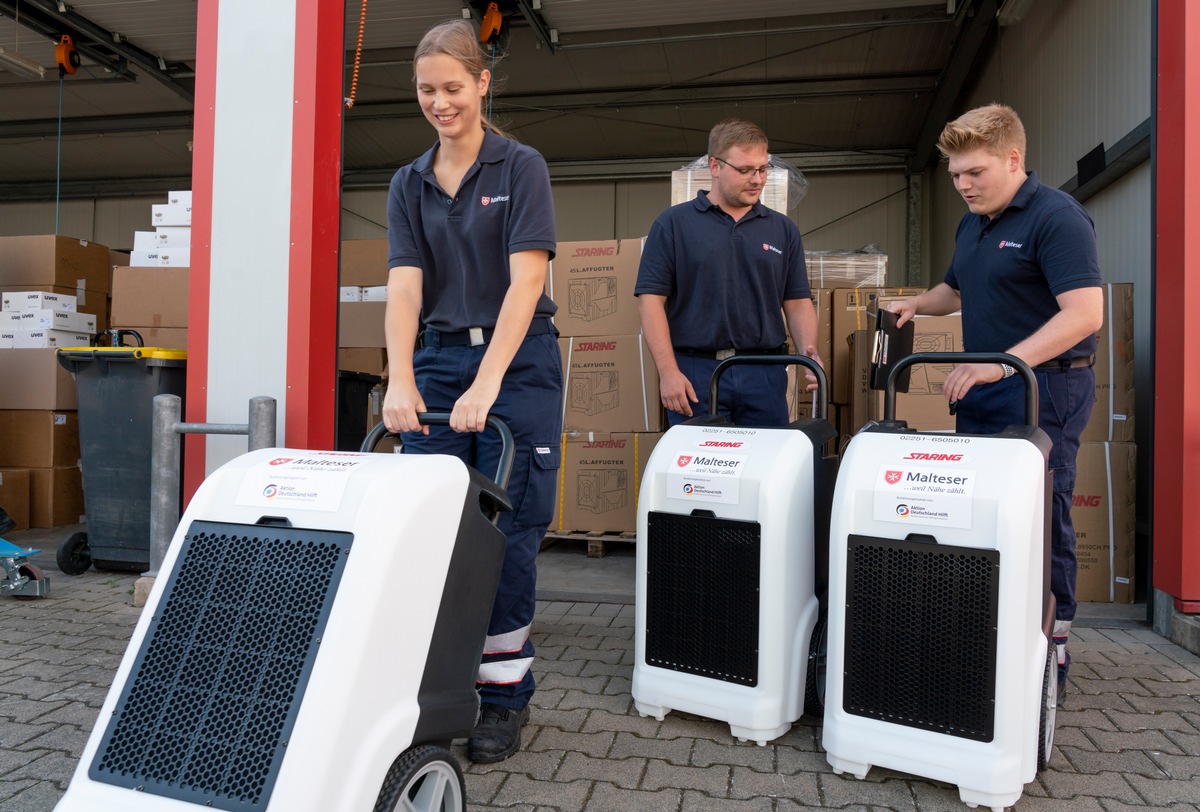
747, 171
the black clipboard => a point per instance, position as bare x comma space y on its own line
890, 344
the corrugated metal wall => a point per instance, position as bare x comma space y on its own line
1079, 72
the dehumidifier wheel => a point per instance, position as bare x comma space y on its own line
426, 778
1049, 709
814, 681
73, 556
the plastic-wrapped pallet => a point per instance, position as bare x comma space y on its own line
863, 268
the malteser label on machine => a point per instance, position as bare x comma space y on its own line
315, 481
707, 477
920, 495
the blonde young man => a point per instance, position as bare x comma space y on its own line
1026, 276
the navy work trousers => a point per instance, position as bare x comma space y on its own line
749, 395
530, 403
1065, 399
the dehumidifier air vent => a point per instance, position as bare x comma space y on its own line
702, 583
921, 635
213, 694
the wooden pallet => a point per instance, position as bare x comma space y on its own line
597, 542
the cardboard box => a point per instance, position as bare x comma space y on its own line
174, 338
371, 360
162, 258
171, 214
364, 262
44, 384
38, 438
14, 495
38, 339
360, 324
1112, 414
592, 284
1104, 514
374, 293
611, 384
151, 297
350, 293
924, 406
850, 310
599, 481
162, 239
19, 301
55, 496
7, 337
56, 320
46, 262
183, 198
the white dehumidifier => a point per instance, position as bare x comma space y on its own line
731, 561
941, 660
311, 641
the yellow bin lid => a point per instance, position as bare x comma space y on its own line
162, 353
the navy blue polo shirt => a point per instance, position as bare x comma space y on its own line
725, 281
1009, 269
462, 243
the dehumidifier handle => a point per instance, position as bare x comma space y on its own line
507, 444
822, 405
1031, 390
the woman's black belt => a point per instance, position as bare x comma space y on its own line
478, 336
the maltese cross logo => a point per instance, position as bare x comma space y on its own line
892, 477
683, 460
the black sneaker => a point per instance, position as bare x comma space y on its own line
497, 734
6, 522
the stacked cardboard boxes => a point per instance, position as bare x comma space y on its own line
55, 293
150, 292
363, 280
1112, 414
612, 414
1103, 510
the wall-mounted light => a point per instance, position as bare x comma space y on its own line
16, 63
1012, 11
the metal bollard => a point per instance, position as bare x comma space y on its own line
165, 475
262, 423
164, 478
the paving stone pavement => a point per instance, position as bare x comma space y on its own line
1128, 737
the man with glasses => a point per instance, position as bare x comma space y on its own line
718, 277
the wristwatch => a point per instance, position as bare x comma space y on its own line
1008, 371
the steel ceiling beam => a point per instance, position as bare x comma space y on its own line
96, 125
107, 48
628, 98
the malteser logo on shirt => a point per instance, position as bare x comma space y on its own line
769, 247
1011, 244
485, 200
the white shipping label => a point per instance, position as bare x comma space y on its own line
707, 477
922, 495
314, 481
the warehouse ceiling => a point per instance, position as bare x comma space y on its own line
603, 88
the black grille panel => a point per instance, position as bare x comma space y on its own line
920, 647
702, 596
214, 692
